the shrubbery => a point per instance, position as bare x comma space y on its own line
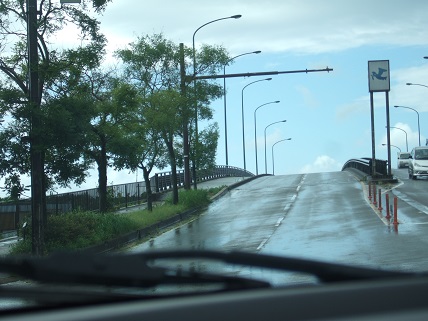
79, 230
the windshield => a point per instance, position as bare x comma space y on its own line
129, 127
421, 153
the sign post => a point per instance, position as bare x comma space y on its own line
379, 81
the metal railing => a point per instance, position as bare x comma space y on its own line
365, 165
119, 196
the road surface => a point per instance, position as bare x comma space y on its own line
321, 216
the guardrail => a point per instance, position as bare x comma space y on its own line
365, 165
162, 181
119, 196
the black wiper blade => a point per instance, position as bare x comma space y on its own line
133, 270
324, 271
120, 270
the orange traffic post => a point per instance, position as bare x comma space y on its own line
374, 194
388, 213
370, 191
395, 211
380, 200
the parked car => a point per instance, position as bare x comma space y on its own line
418, 162
403, 160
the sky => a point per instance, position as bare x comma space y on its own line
327, 113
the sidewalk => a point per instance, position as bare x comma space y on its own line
6, 243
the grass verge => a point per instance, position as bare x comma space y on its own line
78, 230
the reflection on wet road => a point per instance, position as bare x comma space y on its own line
322, 216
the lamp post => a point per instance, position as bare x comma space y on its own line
419, 128
242, 115
255, 130
194, 85
280, 121
407, 145
224, 94
399, 149
412, 84
273, 162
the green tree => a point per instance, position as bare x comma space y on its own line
142, 147
152, 63
55, 68
28, 110
113, 105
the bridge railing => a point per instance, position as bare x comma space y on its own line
365, 165
162, 181
119, 196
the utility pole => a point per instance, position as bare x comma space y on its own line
36, 153
185, 120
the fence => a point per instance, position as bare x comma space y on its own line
119, 196
365, 165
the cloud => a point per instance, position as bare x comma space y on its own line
322, 163
298, 27
402, 137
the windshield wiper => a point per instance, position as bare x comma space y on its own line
134, 270
90, 274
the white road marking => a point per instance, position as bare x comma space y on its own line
422, 208
263, 243
278, 223
286, 208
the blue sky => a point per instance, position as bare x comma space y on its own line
327, 114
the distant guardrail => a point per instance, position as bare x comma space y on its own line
119, 196
162, 181
365, 165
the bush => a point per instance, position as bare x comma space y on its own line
77, 230
193, 198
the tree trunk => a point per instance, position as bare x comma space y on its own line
102, 179
148, 189
173, 172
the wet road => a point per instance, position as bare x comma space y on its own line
322, 216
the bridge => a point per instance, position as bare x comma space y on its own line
122, 196
365, 165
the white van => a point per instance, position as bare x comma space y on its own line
403, 160
418, 162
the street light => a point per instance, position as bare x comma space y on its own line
273, 163
412, 84
399, 149
255, 130
419, 128
194, 83
242, 113
280, 121
224, 94
407, 145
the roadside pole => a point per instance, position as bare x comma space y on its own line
379, 81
